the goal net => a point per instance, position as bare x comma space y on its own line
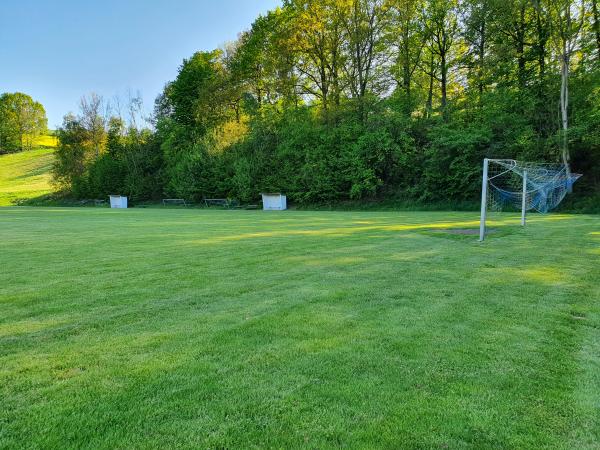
523, 186
174, 202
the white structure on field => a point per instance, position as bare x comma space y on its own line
524, 186
274, 202
119, 202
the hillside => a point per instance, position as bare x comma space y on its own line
26, 175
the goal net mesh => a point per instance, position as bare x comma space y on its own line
547, 184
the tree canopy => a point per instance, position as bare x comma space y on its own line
331, 100
21, 120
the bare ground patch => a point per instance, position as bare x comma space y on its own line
462, 231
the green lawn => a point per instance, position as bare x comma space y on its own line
25, 175
172, 328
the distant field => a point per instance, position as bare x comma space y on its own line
26, 174
159, 328
46, 141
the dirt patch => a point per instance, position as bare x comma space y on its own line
463, 231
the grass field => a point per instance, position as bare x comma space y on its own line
26, 174
157, 328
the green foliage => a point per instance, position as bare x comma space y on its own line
197, 96
129, 162
71, 154
338, 100
452, 162
22, 120
105, 177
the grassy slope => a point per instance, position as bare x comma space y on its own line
26, 174
202, 329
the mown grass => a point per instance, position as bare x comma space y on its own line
25, 175
242, 329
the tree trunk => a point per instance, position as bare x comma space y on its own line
335, 76
324, 88
406, 82
21, 139
406, 71
542, 37
429, 104
596, 26
444, 81
564, 103
521, 47
564, 106
481, 54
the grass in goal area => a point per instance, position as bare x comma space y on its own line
162, 328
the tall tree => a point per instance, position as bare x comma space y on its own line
71, 153
21, 120
442, 26
476, 18
259, 62
365, 22
317, 39
406, 33
596, 27
514, 27
567, 19
542, 35
198, 98
93, 117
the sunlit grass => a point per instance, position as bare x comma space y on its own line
160, 328
25, 175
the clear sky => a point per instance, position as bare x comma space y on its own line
57, 51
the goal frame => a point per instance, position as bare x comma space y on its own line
174, 202
484, 198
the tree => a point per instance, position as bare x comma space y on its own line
567, 19
316, 39
198, 96
406, 33
333, 100
513, 27
441, 26
70, 161
93, 113
365, 22
477, 15
596, 27
262, 63
21, 120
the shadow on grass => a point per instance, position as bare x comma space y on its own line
52, 199
42, 170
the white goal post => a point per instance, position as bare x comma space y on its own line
523, 186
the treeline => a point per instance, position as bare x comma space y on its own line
330, 100
22, 120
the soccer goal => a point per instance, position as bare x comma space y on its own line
174, 202
523, 186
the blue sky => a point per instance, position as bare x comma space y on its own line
57, 51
